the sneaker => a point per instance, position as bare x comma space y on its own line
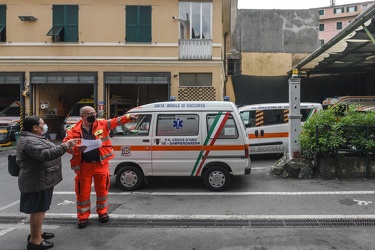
103, 218
82, 223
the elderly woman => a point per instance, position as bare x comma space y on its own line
40, 163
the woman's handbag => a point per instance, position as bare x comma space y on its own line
13, 167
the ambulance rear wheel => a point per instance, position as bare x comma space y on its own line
129, 178
216, 178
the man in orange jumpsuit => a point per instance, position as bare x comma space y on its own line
94, 163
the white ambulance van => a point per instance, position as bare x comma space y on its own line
267, 125
346, 100
10, 118
197, 138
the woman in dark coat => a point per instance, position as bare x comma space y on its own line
40, 163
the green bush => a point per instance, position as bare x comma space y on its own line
337, 128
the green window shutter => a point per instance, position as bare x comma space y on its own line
131, 23
71, 34
66, 16
3, 23
58, 15
138, 23
145, 23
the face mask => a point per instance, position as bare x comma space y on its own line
45, 129
91, 119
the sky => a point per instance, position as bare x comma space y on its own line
290, 4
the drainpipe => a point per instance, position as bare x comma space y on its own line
225, 63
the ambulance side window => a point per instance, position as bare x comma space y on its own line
306, 113
271, 117
228, 131
177, 125
248, 118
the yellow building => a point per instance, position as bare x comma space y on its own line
57, 52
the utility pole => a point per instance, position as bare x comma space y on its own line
294, 147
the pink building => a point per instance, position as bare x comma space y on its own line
333, 19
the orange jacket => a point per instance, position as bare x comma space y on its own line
100, 130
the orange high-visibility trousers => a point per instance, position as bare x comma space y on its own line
83, 181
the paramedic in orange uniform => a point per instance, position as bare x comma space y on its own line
94, 163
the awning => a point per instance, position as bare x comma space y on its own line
350, 51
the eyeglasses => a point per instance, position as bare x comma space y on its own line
89, 114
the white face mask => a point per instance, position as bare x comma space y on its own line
45, 129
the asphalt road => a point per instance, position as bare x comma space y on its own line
259, 211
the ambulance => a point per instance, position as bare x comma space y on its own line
267, 125
197, 138
10, 118
345, 100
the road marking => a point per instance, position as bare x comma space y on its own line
218, 216
225, 193
9, 205
5, 231
201, 217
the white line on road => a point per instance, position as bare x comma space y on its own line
227, 193
210, 217
9, 205
7, 230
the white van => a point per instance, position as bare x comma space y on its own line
194, 138
267, 125
10, 118
345, 100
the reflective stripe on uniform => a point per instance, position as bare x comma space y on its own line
104, 198
83, 210
83, 203
101, 206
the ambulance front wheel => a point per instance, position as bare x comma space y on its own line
216, 178
129, 178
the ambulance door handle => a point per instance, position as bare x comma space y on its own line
256, 133
262, 132
146, 140
157, 141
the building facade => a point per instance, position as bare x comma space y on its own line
58, 52
333, 19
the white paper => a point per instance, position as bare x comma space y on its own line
91, 144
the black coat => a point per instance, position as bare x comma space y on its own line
40, 162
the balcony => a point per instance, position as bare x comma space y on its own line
195, 49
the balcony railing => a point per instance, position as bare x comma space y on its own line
195, 49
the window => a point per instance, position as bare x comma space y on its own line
195, 79
64, 23
321, 42
364, 6
234, 65
339, 25
229, 131
321, 27
195, 20
338, 10
138, 24
351, 9
321, 12
177, 125
141, 126
2, 23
